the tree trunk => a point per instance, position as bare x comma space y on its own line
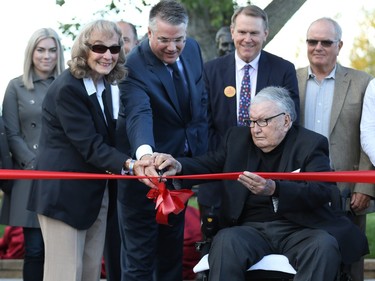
202, 29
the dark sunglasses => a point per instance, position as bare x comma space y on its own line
101, 49
324, 43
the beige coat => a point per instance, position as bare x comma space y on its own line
344, 133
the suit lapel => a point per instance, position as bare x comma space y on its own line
110, 121
264, 69
98, 109
288, 147
341, 90
109, 99
230, 80
302, 82
160, 70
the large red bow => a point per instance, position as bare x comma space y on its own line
168, 201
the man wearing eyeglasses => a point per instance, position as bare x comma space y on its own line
261, 216
331, 104
164, 108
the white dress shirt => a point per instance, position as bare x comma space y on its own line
368, 122
318, 102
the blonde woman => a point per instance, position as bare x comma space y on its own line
22, 108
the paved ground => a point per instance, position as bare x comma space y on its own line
105, 279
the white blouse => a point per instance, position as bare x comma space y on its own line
368, 122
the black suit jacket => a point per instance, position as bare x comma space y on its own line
303, 202
221, 73
149, 112
74, 138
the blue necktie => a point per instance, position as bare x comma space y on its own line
181, 92
245, 97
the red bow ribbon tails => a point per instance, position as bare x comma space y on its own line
168, 201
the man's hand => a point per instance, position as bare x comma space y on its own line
146, 167
167, 163
359, 202
257, 184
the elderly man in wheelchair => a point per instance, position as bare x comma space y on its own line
261, 216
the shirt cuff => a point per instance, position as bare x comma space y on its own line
143, 150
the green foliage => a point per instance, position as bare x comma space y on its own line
218, 12
362, 55
370, 230
111, 8
60, 2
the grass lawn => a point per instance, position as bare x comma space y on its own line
370, 232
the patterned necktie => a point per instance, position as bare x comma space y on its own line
245, 97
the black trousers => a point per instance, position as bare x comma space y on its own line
313, 253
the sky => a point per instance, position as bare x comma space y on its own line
22, 17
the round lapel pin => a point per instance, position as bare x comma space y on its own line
229, 91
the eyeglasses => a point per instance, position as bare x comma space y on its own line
101, 49
261, 122
178, 41
324, 43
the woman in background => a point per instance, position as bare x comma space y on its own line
22, 111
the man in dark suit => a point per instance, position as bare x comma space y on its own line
155, 121
262, 216
223, 78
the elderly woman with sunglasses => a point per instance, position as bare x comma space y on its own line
78, 136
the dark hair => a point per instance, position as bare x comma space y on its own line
169, 11
132, 27
252, 11
78, 63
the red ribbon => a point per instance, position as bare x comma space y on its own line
168, 201
173, 201
342, 176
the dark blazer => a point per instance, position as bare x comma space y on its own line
221, 73
305, 203
74, 138
149, 104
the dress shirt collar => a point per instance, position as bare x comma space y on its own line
240, 63
310, 74
90, 86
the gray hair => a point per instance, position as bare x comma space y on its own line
280, 96
336, 26
80, 51
169, 11
28, 65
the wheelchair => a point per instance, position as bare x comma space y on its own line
273, 267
